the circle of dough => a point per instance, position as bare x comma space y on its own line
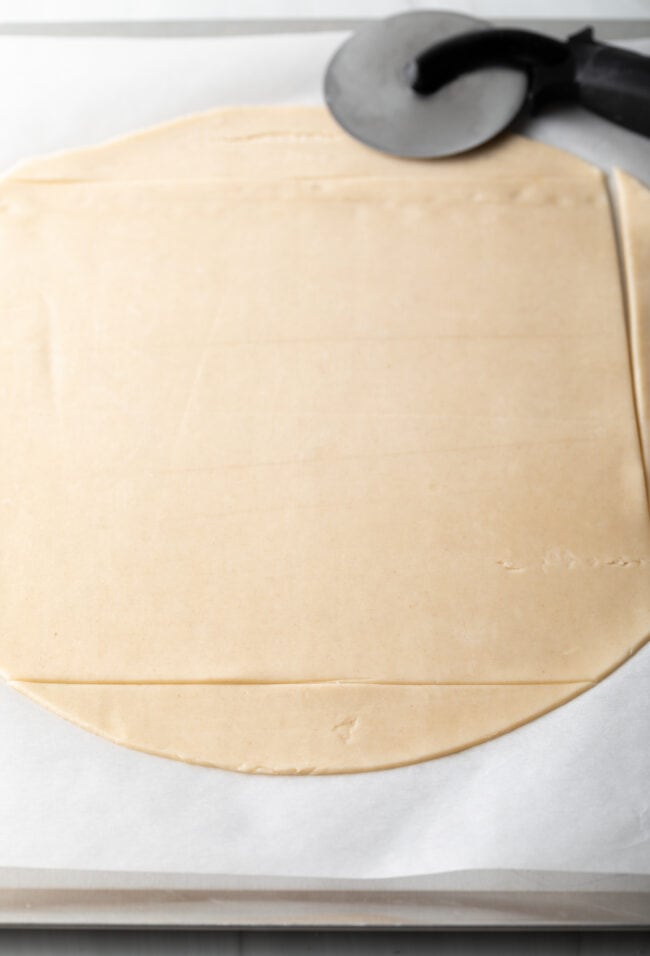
315, 460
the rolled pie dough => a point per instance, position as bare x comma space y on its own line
315, 460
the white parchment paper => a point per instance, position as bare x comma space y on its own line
571, 791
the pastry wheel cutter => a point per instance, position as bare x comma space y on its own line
425, 84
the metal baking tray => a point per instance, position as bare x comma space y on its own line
477, 900
462, 900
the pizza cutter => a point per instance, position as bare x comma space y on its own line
426, 84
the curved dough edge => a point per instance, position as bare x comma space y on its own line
307, 728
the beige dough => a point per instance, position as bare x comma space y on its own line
316, 460
634, 208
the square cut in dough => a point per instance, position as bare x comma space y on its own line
316, 460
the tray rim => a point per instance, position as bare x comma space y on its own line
481, 900
606, 28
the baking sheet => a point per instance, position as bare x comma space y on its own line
478, 899
569, 792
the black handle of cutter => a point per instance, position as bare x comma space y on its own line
449, 59
612, 82
609, 81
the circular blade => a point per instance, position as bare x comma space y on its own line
367, 91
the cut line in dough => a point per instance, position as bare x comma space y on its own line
356, 727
